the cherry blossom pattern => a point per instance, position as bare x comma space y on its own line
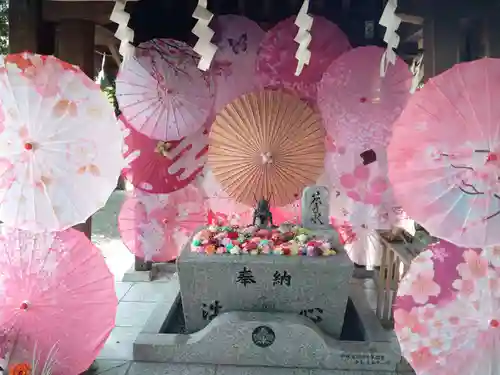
156, 227
444, 332
164, 167
39, 182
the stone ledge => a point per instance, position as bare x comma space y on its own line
134, 276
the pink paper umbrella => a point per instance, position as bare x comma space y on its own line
57, 300
163, 167
276, 62
161, 91
362, 175
156, 227
224, 210
357, 225
447, 311
444, 157
238, 40
358, 106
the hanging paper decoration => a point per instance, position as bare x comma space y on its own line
391, 22
124, 33
304, 22
203, 46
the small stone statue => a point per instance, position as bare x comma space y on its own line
263, 213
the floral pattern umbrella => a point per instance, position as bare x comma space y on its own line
56, 166
238, 39
163, 167
156, 227
447, 311
276, 62
227, 211
358, 106
57, 298
446, 147
362, 175
161, 91
357, 225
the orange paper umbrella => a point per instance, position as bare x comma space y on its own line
267, 144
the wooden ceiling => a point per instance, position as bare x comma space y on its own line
169, 18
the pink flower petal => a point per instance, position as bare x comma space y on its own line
379, 185
348, 181
354, 196
362, 172
373, 199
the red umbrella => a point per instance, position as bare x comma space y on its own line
163, 167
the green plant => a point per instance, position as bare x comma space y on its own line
108, 87
4, 27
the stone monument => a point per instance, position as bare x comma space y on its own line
316, 207
314, 287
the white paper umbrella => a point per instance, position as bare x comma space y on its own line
60, 144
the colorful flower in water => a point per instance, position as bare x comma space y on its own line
20, 369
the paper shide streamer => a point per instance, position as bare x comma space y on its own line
391, 22
304, 22
204, 47
124, 33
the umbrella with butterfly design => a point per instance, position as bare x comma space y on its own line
238, 40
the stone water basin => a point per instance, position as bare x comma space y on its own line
274, 339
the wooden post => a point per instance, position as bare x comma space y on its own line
442, 39
75, 44
27, 31
492, 34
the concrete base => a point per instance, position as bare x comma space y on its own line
274, 340
150, 368
134, 276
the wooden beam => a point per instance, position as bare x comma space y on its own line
408, 18
104, 37
93, 11
75, 44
